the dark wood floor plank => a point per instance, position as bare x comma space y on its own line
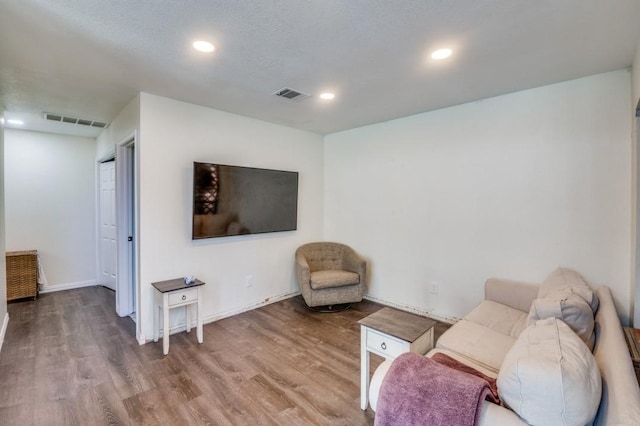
272, 398
90, 372
201, 411
69, 359
58, 412
149, 407
18, 381
125, 369
101, 405
17, 415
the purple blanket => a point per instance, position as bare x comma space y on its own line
420, 391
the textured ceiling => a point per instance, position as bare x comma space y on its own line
89, 58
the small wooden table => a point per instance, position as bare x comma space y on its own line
389, 333
174, 294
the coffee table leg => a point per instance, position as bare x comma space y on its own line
165, 323
187, 315
364, 369
199, 317
156, 319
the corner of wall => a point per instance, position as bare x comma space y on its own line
635, 136
4, 316
125, 123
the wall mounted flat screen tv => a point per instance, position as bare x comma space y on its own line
233, 200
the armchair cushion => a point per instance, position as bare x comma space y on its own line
333, 278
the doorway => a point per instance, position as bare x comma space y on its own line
117, 228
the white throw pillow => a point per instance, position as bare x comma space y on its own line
571, 309
564, 279
550, 377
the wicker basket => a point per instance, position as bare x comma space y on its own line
22, 274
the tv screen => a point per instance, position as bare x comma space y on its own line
233, 200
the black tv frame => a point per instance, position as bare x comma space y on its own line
233, 200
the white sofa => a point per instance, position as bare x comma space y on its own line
485, 336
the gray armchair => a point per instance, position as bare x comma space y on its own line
331, 276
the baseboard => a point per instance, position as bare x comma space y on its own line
180, 327
68, 286
265, 302
5, 324
414, 310
141, 339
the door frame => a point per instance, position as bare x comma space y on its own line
127, 218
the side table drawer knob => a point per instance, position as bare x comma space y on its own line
184, 297
383, 346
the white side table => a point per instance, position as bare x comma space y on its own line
389, 333
174, 294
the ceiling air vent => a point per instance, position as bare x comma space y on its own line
292, 95
73, 120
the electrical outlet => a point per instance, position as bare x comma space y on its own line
249, 281
434, 287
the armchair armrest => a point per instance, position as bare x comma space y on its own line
516, 294
354, 263
302, 268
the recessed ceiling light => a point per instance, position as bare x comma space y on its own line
441, 54
327, 96
15, 122
203, 46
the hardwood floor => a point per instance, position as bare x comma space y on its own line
68, 359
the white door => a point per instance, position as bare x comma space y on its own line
108, 224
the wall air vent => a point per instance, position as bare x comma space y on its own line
73, 120
291, 95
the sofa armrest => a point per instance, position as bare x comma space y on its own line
490, 414
516, 294
494, 414
376, 382
620, 404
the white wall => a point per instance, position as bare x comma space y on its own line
50, 203
172, 136
123, 126
511, 186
